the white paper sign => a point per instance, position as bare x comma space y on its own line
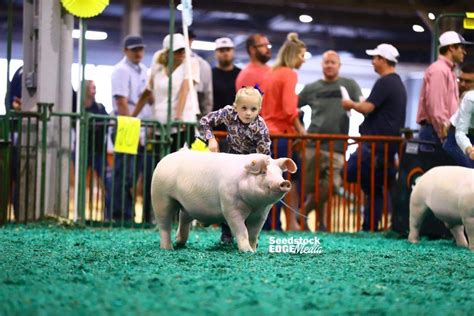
3, 110
344, 93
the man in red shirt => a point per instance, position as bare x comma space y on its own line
439, 96
259, 50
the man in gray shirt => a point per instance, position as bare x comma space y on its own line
327, 117
128, 82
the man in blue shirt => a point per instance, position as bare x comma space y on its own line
128, 82
384, 112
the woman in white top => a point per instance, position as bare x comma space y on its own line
184, 101
184, 105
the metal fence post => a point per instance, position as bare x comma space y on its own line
44, 110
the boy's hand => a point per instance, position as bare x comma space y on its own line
213, 145
443, 132
470, 152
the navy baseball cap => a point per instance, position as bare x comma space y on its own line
133, 41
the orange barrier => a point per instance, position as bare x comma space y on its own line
344, 207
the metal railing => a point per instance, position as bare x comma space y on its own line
117, 186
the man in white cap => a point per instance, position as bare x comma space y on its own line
439, 97
224, 75
384, 112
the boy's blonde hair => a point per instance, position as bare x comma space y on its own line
248, 92
288, 53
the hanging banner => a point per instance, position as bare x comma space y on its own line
187, 12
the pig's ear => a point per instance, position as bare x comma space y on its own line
286, 164
257, 166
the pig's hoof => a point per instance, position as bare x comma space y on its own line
180, 245
166, 247
248, 250
413, 240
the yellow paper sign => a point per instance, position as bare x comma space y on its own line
128, 135
468, 24
470, 15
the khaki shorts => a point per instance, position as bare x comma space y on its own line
324, 168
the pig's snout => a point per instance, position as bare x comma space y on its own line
285, 186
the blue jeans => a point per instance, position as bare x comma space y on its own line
452, 148
378, 183
428, 133
127, 169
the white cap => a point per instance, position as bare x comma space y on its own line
178, 41
452, 38
224, 42
387, 51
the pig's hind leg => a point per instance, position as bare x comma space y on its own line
418, 210
458, 234
469, 225
182, 232
165, 208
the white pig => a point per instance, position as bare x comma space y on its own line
449, 192
217, 187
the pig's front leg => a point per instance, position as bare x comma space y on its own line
236, 221
255, 223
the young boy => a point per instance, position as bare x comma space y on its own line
247, 132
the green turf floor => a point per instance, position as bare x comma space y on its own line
53, 270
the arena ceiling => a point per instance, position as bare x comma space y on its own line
343, 25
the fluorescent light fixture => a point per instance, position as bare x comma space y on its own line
308, 55
203, 45
418, 28
431, 16
180, 7
90, 35
304, 18
228, 15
